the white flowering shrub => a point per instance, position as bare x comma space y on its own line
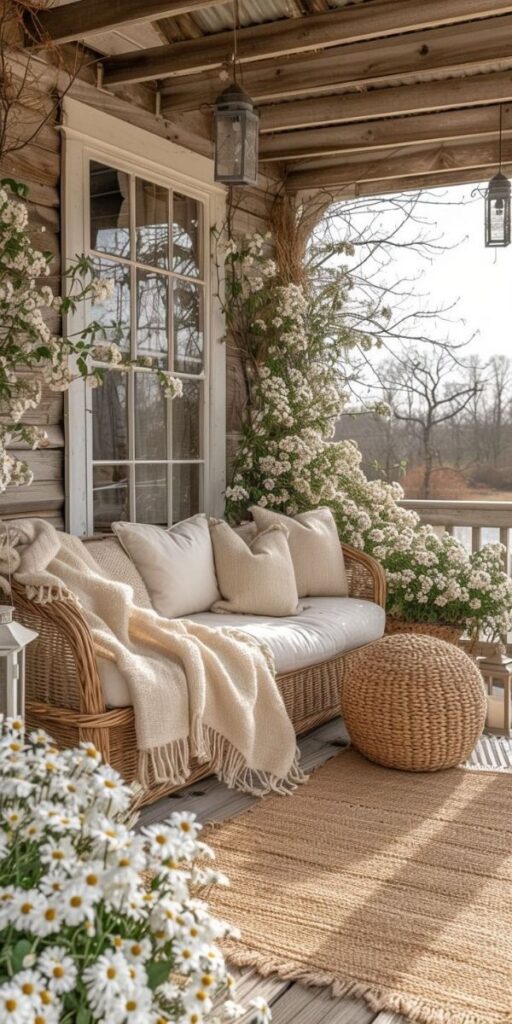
30, 354
294, 352
97, 922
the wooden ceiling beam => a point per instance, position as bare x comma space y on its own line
86, 17
479, 45
277, 38
476, 90
437, 160
444, 126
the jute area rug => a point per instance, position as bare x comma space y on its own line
392, 886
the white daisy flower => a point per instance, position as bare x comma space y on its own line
186, 823
78, 902
263, 1013
106, 979
26, 906
15, 1008
58, 853
59, 968
109, 785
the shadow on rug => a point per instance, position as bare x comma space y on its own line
387, 885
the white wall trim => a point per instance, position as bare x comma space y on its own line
89, 133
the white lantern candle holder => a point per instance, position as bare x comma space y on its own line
14, 638
496, 669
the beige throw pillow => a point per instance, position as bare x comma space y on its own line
176, 564
255, 578
315, 549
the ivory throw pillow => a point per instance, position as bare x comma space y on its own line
315, 549
176, 564
255, 578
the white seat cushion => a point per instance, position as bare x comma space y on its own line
329, 626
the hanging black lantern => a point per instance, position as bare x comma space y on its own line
236, 128
497, 206
236, 138
497, 212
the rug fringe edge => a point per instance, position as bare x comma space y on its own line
377, 999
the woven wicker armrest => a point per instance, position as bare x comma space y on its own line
61, 664
366, 578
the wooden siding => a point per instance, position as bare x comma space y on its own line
38, 166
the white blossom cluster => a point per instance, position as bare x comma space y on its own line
30, 354
99, 923
286, 460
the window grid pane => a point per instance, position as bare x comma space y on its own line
148, 451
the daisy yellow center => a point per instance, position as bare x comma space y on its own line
200, 996
26, 908
76, 901
57, 855
185, 827
58, 971
39, 1020
124, 862
50, 914
11, 1005
131, 1005
194, 933
207, 980
136, 949
15, 746
28, 988
160, 840
45, 998
91, 752
109, 784
111, 973
92, 879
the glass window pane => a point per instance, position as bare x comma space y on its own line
187, 422
152, 316
110, 418
110, 496
110, 210
186, 235
152, 223
188, 327
150, 417
151, 494
113, 313
187, 491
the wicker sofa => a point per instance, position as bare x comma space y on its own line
66, 695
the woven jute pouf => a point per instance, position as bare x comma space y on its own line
413, 702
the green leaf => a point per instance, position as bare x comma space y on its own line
83, 1016
20, 951
158, 972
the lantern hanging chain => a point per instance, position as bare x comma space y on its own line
236, 26
500, 135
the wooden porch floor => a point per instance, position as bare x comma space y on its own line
291, 1002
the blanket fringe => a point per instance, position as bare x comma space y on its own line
378, 999
171, 764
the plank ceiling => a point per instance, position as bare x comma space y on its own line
359, 97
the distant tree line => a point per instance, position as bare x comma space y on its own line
449, 432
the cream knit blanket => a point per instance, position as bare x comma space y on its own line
229, 712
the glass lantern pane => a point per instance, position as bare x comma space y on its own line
185, 235
152, 223
229, 146
150, 417
113, 312
188, 327
110, 210
152, 316
251, 147
187, 422
110, 418
187, 491
151, 494
110, 496
497, 221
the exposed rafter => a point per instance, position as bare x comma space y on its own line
475, 46
398, 100
436, 160
85, 17
275, 39
371, 136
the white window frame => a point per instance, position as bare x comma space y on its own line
90, 134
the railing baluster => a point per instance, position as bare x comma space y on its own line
505, 540
476, 538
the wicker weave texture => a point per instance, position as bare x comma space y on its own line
416, 703
451, 634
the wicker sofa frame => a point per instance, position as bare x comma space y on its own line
64, 693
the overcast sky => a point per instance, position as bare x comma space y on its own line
480, 278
